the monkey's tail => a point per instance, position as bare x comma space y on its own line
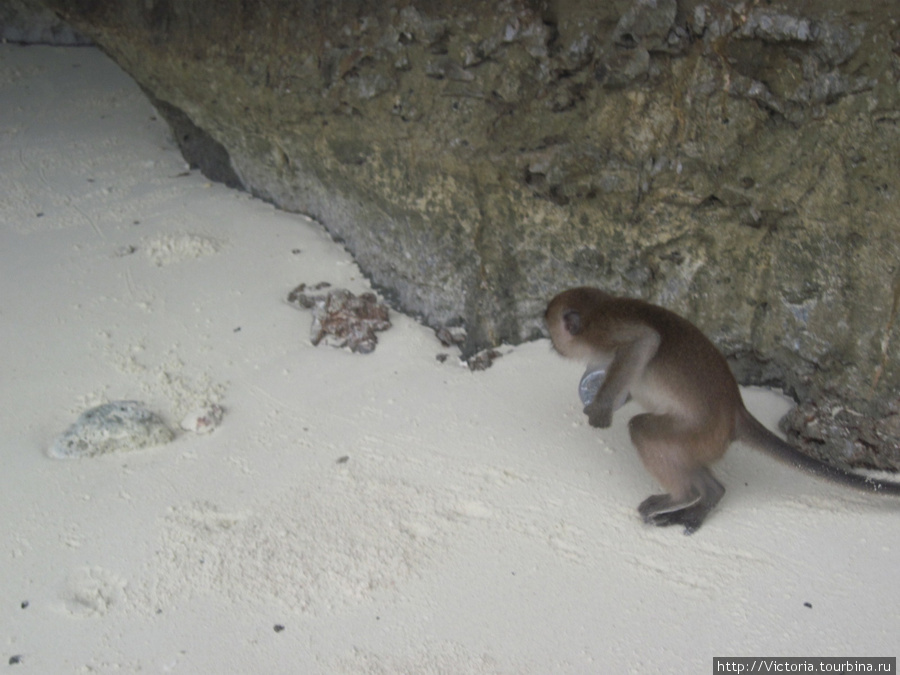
751, 431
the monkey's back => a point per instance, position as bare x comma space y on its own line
688, 365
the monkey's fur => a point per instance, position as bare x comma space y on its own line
693, 406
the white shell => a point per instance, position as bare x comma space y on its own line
204, 419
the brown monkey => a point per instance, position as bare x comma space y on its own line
693, 406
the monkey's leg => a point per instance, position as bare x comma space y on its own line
667, 454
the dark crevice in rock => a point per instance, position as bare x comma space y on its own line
200, 150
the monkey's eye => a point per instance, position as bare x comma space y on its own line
572, 322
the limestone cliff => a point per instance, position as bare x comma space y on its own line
734, 161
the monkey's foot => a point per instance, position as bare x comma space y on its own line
662, 511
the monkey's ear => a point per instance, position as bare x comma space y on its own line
572, 322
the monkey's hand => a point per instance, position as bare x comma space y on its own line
599, 416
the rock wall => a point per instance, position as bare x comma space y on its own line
29, 22
734, 161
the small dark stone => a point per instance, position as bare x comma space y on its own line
483, 359
278, 628
450, 337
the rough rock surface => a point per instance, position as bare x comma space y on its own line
734, 161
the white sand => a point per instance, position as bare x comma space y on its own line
478, 525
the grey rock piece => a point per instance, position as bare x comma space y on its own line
118, 426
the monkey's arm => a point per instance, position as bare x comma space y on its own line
635, 347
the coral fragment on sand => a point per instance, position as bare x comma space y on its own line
342, 319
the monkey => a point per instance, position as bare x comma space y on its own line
693, 408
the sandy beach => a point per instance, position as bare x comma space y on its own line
384, 513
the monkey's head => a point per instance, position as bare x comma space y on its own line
568, 319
